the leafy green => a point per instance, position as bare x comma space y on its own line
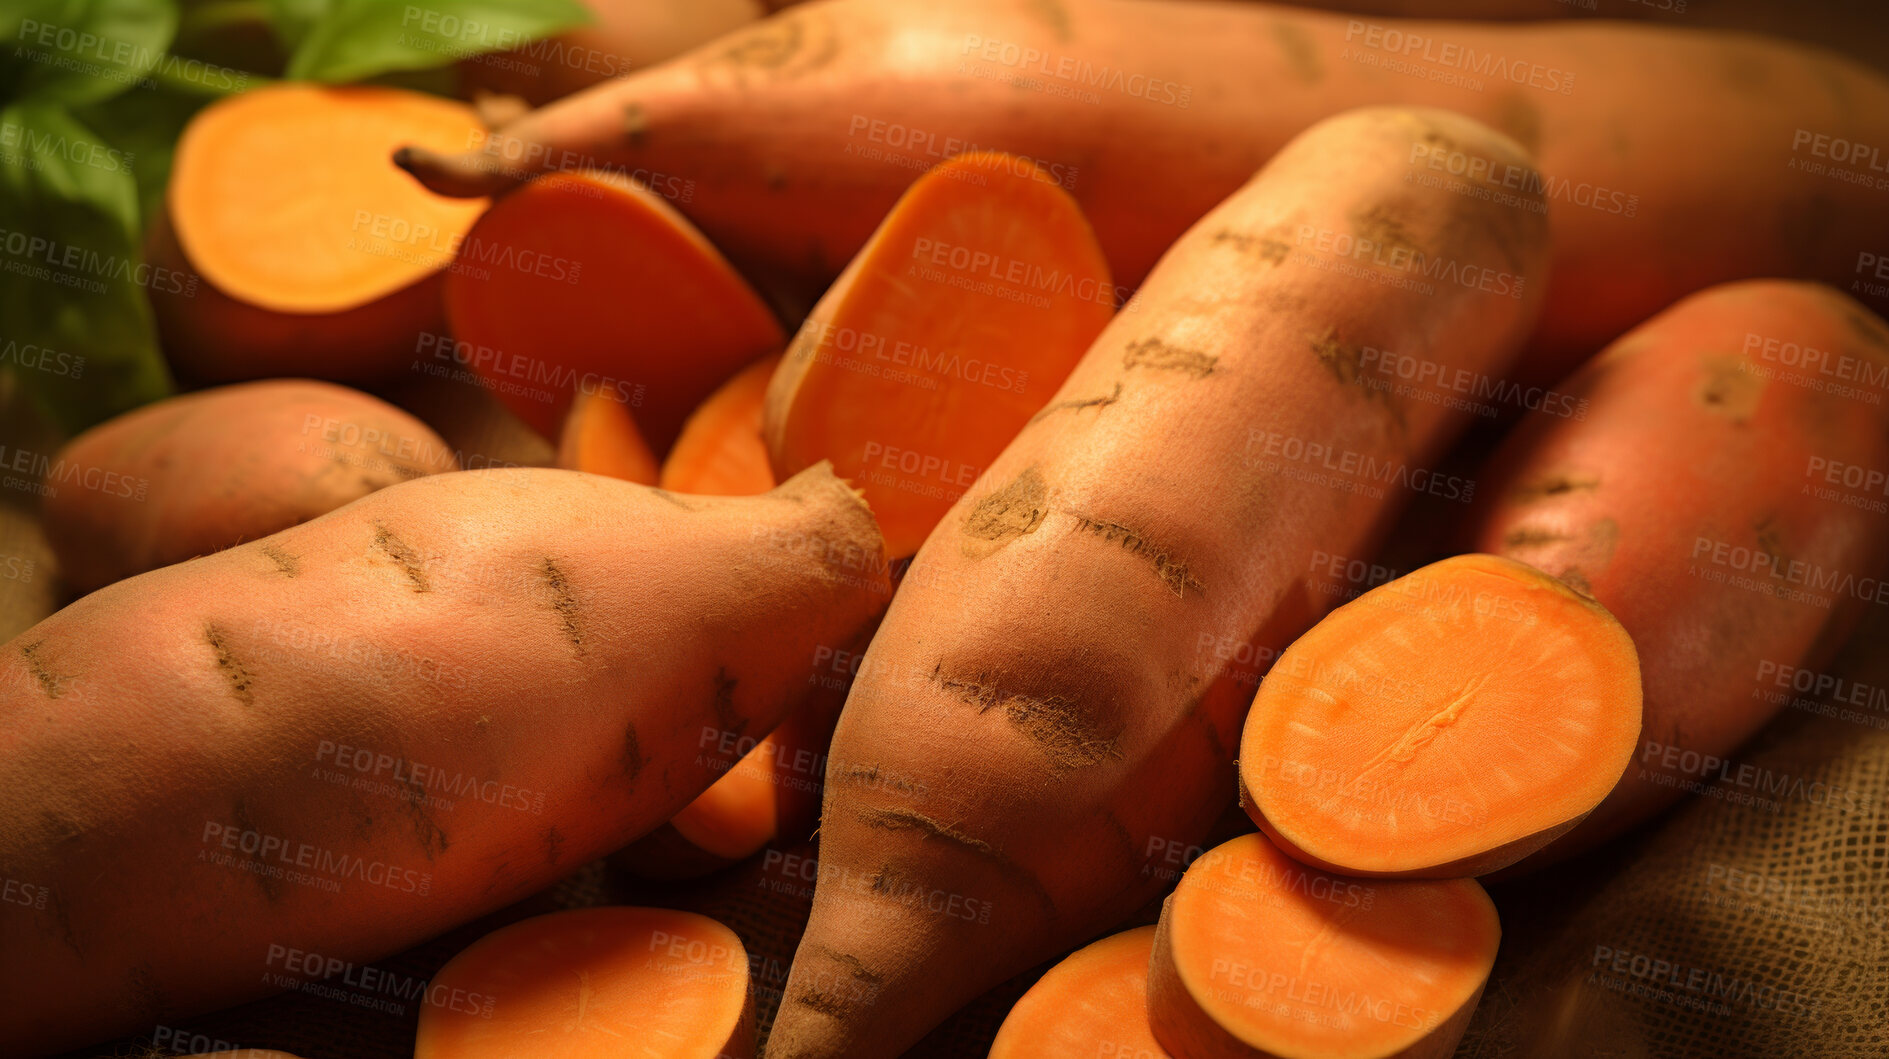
77, 328
145, 126
83, 51
356, 39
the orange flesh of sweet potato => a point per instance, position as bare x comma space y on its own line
585, 281
1447, 723
1093, 1003
596, 983
600, 437
1721, 494
963, 313
1259, 956
720, 451
283, 197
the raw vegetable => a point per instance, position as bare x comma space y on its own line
314, 255
402, 715
596, 983
964, 312
600, 437
1447, 723
1259, 957
195, 474
720, 451
1045, 709
1094, 1003
586, 282
800, 132
1723, 494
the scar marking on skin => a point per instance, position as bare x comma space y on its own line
1010, 512
1078, 404
1534, 537
402, 553
632, 760
1556, 485
242, 684
1301, 51
1058, 725
48, 681
674, 499
1157, 355
1268, 246
287, 565
1172, 571
563, 602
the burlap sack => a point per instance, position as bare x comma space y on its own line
1753, 921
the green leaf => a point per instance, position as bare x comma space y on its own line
82, 51
293, 19
145, 126
361, 38
75, 327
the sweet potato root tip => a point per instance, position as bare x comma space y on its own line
1446, 723
581, 983
981, 289
1257, 956
458, 176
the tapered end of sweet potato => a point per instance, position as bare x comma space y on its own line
467, 175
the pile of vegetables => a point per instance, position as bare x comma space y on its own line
1169, 498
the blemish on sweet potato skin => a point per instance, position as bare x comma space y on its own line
403, 555
1158, 355
1058, 725
563, 602
1011, 512
1080, 404
237, 675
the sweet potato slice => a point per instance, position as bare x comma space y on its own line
720, 452
600, 437
1257, 955
957, 321
320, 256
592, 983
1446, 723
585, 280
1095, 1003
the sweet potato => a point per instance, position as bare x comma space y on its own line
968, 306
588, 282
1044, 703
720, 451
1724, 495
1093, 1003
800, 132
596, 983
1260, 957
397, 717
626, 36
600, 437
288, 245
198, 473
1445, 724
773, 792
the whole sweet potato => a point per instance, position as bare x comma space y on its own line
198, 473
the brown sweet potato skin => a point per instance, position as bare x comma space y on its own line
1675, 153
1696, 434
170, 767
1042, 710
198, 473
